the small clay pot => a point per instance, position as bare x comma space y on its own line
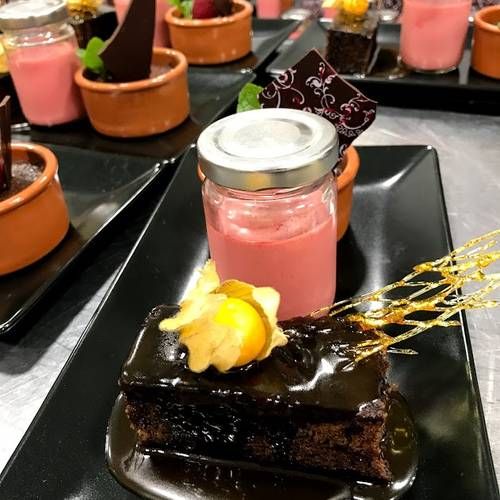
345, 185
35, 220
141, 108
212, 41
486, 44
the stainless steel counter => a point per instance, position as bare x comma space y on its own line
469, 152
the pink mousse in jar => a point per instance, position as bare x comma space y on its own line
433, 34
270, 204
161, 38
41, 54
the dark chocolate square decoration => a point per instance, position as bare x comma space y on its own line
313, 85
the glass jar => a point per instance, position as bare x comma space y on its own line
41, 53
161, 38
270, 203
433, 34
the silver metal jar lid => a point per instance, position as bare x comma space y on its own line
268, 148
25, 14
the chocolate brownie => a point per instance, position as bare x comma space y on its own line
298, 408
351, 45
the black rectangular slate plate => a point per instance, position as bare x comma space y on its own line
267, 36
62, 454
460, 90
211, 93
98, 187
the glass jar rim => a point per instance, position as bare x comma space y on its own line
271, 193
268, 148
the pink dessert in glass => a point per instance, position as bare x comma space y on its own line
161, 28
270, 204
433, 33
44, 79
294, 256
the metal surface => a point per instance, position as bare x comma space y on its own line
470, 163
296, 148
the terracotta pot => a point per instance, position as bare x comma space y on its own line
345, 185
212, 41
486, 44
35, 220
142, 108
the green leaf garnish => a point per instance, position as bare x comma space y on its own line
248, 97
184, 6
90, 56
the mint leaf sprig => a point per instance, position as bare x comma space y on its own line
185, 7
248, 98
90, 56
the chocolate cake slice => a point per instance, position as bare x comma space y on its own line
299, 407
351, 45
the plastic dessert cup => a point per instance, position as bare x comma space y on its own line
161, 38
142, 108
486, 45
433, 34
345, 186
34, 221
212, 41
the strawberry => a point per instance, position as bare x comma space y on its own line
204, 9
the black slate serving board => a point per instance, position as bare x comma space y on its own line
391, 230
211, 93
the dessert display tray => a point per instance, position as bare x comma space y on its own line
211, 94
101, 177
391, 231
392, 85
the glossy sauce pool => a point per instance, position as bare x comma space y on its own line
189, 477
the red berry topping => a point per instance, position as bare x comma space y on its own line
204, 9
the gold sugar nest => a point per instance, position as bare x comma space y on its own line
231, 324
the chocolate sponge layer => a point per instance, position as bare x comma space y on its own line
300, 407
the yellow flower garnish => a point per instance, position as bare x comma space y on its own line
226, 324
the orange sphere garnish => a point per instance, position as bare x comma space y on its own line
355, 7
247, 323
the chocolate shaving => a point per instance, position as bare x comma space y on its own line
127, 55
6, 151
313, 85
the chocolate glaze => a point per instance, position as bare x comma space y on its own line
190, 477
308, 373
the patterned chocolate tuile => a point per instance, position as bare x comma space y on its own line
313, 85
6, 152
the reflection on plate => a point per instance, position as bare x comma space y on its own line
184, 476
